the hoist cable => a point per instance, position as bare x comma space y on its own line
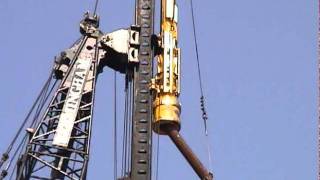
129, 128
115, 128
202, 98
19, 148
318, 91
5, 155
125, 131
20, 154
96, 7
41, 104
35, 122
128, 134
123, 135
196, 46
157, 156
157, 150
40, 101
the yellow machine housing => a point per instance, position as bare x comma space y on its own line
166, 84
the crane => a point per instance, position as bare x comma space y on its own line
57, 141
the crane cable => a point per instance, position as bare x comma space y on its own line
115, 155
40, 103
202, 97
36, 119
129, 129
19, 148
126, 129
24, 145
157, 154
5, 155
318, 90
95, 7
124, 136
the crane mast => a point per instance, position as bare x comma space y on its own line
141, 147
58, 145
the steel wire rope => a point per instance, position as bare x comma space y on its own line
157, 154
20, 147
125, 131
115, 128
35, 122
5, 155
158, 146
42, 98
129, 120
20, 153
158, 128
131, 99
318, 41
95, 7
129, 129
41, 104
202, 98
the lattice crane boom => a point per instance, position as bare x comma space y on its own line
59, 146
60, 143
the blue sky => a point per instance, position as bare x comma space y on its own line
259, 65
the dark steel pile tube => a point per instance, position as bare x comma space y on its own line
186, 151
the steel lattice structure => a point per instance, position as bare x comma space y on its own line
72, 160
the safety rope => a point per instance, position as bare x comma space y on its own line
202, 97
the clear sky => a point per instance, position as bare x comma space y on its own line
258, 60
